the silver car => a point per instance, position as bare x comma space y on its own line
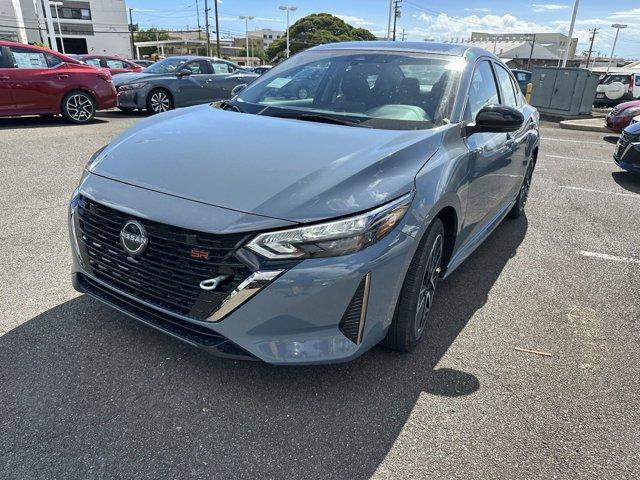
308, 230
179, 82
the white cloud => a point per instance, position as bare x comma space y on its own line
480, 10
547, 7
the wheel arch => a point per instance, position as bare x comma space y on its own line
449, 218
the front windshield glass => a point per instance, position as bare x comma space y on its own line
168, 65
389, 90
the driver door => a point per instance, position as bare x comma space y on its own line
195, 89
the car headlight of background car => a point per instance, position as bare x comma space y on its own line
131, 86
630, 112
339, 237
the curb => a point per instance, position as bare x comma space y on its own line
583, 127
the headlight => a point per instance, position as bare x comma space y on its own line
329, 239
131, 86
630, 112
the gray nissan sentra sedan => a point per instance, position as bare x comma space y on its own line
307, 230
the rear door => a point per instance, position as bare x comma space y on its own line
35, 86
224, 79
116, 65
6, 70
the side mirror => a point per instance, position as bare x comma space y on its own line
237, 89
185, 72
496, 119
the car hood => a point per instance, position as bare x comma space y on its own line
626, 105
130, 77
287, 169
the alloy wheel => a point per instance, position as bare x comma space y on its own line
80, 107
428, 286
160, 102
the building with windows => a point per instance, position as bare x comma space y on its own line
89, 26
267, 35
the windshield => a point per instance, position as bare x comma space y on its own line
168, 65
389, 90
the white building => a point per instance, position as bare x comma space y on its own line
89, 26
267, 35
556, 43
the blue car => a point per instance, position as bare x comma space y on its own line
627, 154
308, 230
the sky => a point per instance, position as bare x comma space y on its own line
440, 20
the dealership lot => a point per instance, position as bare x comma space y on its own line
89, 393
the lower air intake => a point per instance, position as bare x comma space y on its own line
352, 322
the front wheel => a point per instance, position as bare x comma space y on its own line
159, 100
78, 107
418, 292
518, 208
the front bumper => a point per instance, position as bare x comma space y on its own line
133, 98
295, 319
627, 154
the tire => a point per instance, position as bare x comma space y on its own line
159, 100
126, 109
302, 93
78, 107
416, 297
518, 208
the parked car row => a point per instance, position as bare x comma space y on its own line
39, 81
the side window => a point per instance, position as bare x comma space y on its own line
508, 94
221, 67
52, 60
4, 59
637, 79
94, 62
115, 63
197, 67
23, 58
483, 90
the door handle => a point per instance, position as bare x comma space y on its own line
209, 80
63, 75
4, 78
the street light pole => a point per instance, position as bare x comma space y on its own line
617, 26
133, 43
206, 26
573, 24
288, 8
246, 19
56, 5
391, 9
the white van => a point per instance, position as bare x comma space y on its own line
615, 88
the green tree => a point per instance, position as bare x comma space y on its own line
316, 29
151, 35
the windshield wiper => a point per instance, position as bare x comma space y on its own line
314, 117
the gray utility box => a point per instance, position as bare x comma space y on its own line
563, 91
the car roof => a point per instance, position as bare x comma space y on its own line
195, 57
452, 49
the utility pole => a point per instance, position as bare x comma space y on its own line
390, 15
215, 9
198, 17
206, 26
573, 24
133, 43
396, 15
403, 34
593, 37
533, 42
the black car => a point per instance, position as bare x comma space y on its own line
523, 78
627, 154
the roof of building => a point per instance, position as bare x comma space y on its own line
517, 49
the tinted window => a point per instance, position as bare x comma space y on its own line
506, 87
114, 63
23, 58
483, 90
94, 62
609, 79
4, 60
197, 67
52, 60
168, 65
221, 67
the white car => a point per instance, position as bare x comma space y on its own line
616, 88
635, 119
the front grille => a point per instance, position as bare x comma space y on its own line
623, 143
164, 275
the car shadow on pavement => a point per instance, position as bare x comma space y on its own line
628, 181
89, 393
11, 123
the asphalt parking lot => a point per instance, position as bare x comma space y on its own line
88, 393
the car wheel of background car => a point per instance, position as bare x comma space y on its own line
78, 107
159, 100
615, 90
418, 291
518, 208
303, 93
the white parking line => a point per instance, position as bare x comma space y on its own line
632, 195
603, 143
606, 256
610, 162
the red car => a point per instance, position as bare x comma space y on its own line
39, 81
114, 64
621, 115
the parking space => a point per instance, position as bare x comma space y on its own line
88, 393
